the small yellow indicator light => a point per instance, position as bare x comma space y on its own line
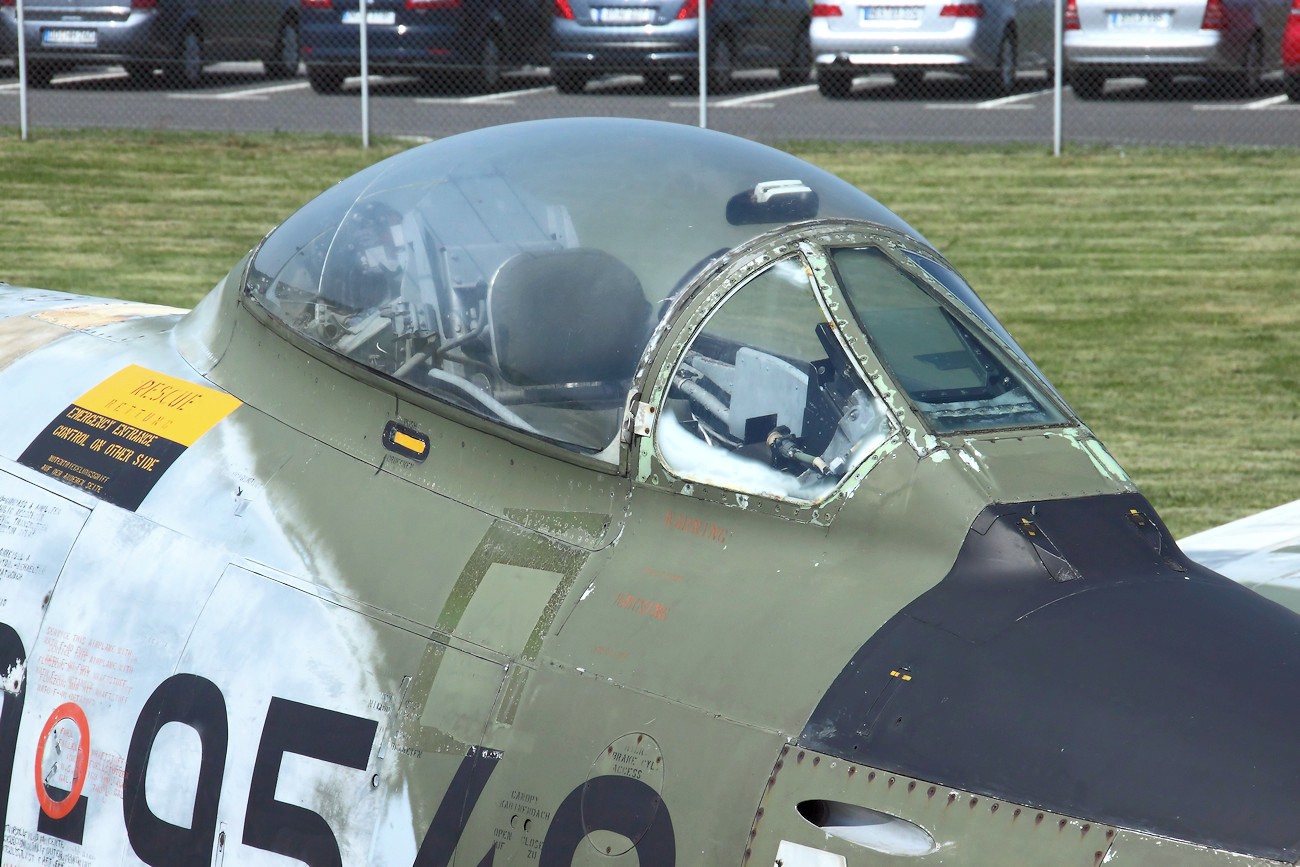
409, 442
405, 441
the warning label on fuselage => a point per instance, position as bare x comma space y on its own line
116, 440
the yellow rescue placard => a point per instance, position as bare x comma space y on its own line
118, 439
164, 405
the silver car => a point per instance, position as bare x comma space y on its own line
1233, 42
988, 40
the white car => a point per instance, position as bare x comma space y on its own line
988, 40
1233, 42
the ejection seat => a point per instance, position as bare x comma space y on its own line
566, 317
566, 328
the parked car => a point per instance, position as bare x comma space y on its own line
180, 37
659, 39
465, 42
1291, 53
989, 40
1231, 42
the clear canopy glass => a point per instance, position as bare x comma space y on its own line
765, 400
518, 271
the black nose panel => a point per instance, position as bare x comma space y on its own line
1075, 660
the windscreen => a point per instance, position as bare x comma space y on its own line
765, 400
959, 378
957, 285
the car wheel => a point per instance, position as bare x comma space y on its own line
720, 65
1291, 84
657, 82
287, 52
40, 74
1245, 81
834, 83
1000, 80
570, 81
187, 69
1161, 83
486, 77
140, 74
909, 82
800, 60
1087, 85
325, 79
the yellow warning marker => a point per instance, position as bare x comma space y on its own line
172, 408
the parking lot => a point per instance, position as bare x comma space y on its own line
236, 97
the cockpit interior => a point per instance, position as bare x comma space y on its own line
507, 278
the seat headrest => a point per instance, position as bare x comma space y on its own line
564, 316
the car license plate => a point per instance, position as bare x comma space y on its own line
70, 38
1139, 19
373, 16
891, 14
623, 14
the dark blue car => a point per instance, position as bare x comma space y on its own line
660, 38
462, 42
179, 37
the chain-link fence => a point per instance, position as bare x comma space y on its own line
1141, 71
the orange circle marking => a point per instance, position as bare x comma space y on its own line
58, 809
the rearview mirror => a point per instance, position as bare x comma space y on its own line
773, 202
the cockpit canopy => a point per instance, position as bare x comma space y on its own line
518, 271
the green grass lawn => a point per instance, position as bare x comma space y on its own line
1156, 287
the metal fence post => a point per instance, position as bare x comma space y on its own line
702, 49
1058, 39
365, 77
22, 72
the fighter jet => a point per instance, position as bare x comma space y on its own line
602, 492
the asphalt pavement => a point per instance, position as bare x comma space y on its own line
238, 98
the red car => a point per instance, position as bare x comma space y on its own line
1291, 53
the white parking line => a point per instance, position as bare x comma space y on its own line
255, 93
1278, 101
753, 100
696, 104
90, 76
71, 79
1014, 98
758, 97
1268, 103
258, 91
961, 106
505, 97
1013, 101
